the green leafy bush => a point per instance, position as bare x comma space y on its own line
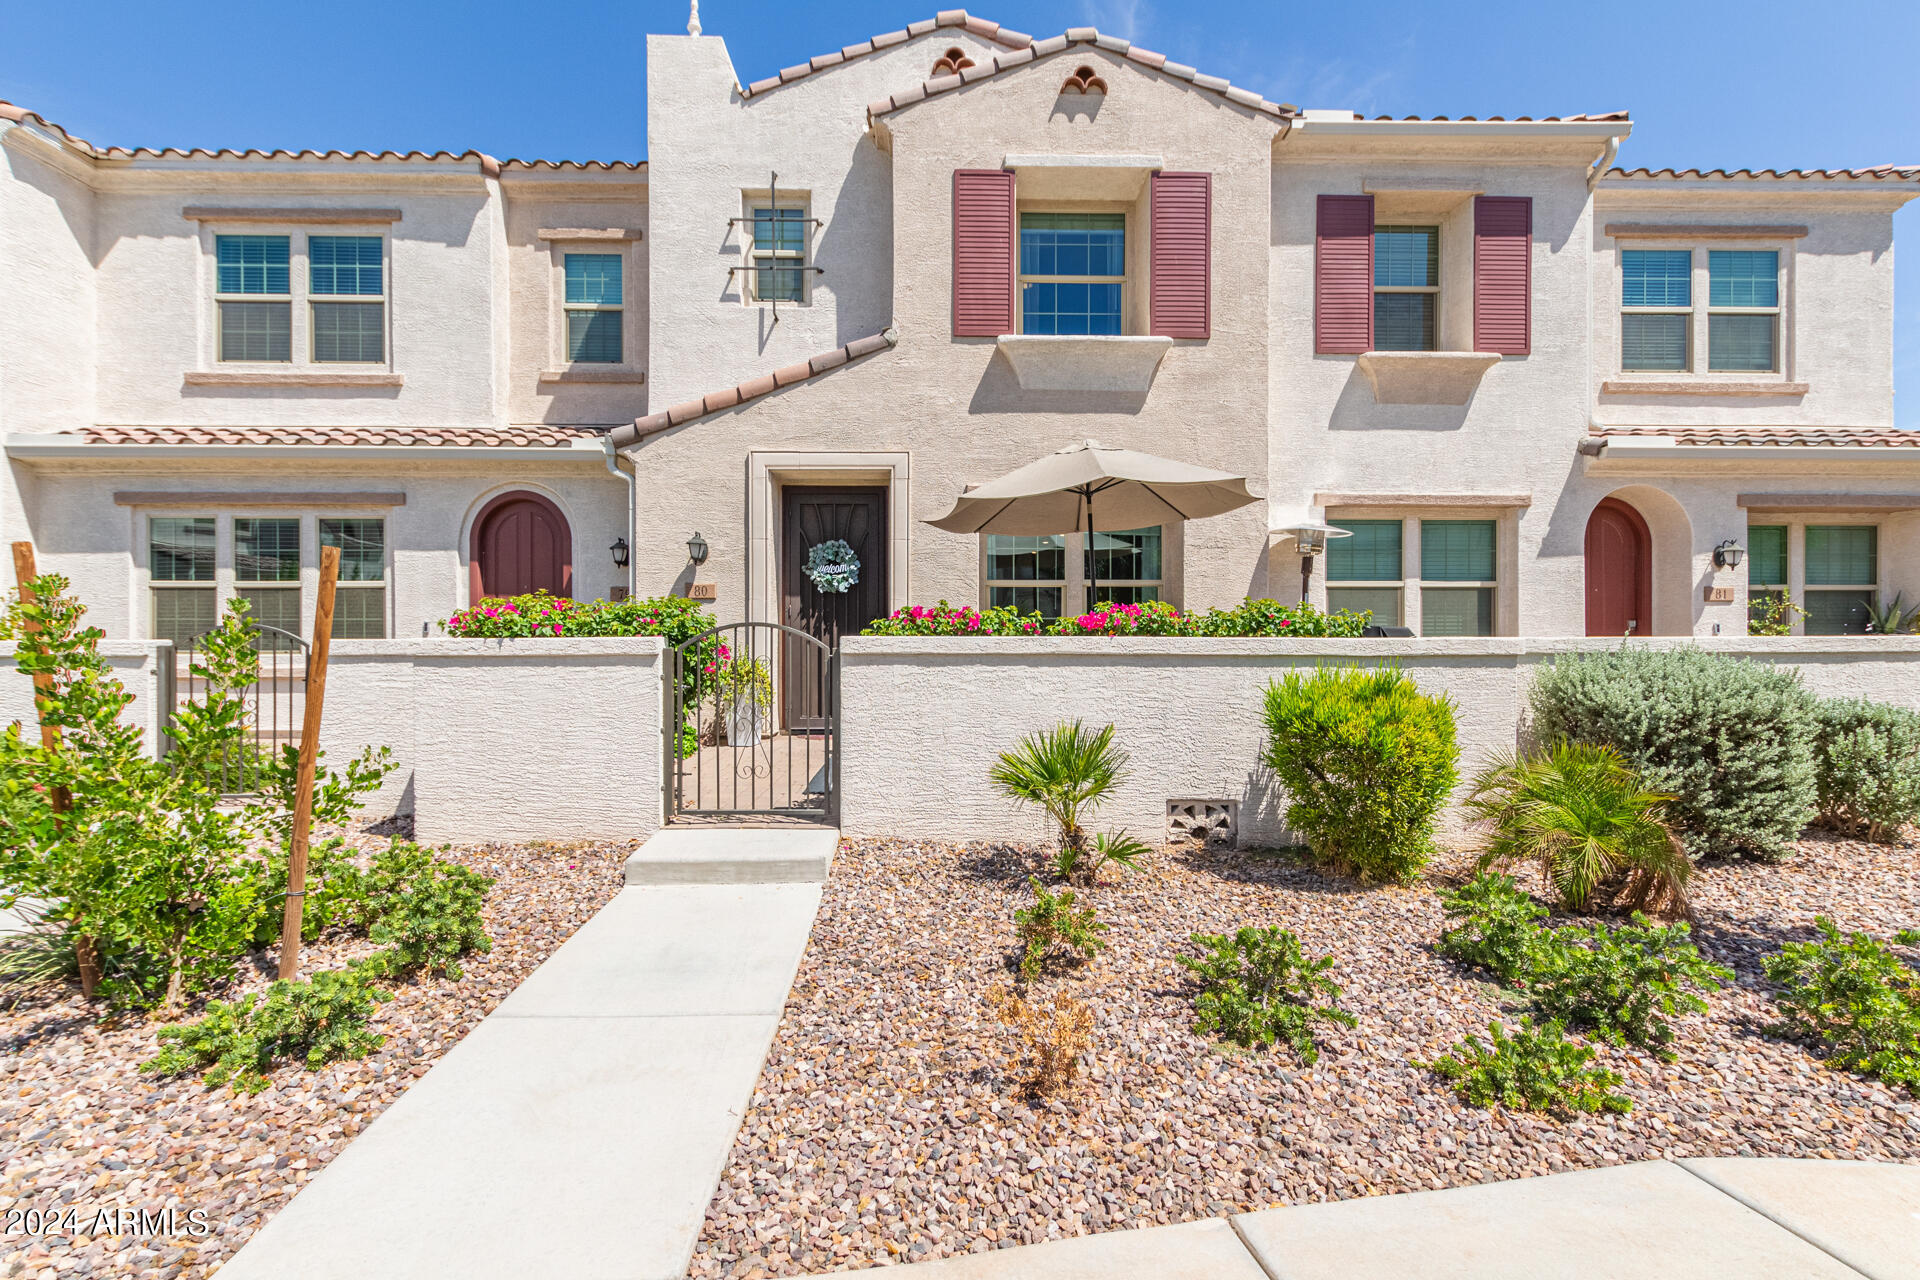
1367, 760
1623, 983
425, 912
1866, 766
676, 618
1055, 923
321, 1020
1257, 988
1580, 813
1271, 618
1852, 996
1150, 618
1730, 740
1533, 1069
1067, 771
1499, 926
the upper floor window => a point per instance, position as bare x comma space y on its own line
1406, 287
1743, 310
253, 291
780, 254
347, 267
595, 306
1073, 272
1656, 310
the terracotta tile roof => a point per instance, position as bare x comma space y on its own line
752, 388
1872, 173
887, 39
1034, 50
1784, 437
463, 437
1605, 117
488, 165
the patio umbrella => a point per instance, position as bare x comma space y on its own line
1056, 494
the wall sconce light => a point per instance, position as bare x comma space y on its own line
619, 549
1310, 539
1729, 554
697, 548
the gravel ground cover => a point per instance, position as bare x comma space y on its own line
81, 1129
886, 1126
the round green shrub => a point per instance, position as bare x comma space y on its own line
1367, 760
1731, 741
1866, 766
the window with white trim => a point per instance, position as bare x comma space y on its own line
777, 251
1656, 310
266, 569
360, 596
1037, 573
340, 268
1027, 572
1363, 570
322, 296
1406, 288
1458, 577
181, 582
1124, 566
1843, 578
253, 298
595, 304
1743, 310
1073, 273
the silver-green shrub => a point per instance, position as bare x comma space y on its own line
1867, 767
1731, 741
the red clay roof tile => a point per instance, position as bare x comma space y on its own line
1782, 437
405, 437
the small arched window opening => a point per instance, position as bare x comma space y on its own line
1083, 80
952, 62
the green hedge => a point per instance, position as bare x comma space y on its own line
1154, 618
1866, 766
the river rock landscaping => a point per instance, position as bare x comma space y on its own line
84, 1130
888, 1125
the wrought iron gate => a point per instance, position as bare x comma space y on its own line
755, 724
275, 703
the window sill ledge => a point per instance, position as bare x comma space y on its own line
612, 374
1700, 387
289, 378
1425, 377
1046, 362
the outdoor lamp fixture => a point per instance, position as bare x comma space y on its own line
619, 549
1310, 537
1728, 555
697, 548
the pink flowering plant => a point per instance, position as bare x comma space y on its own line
674, 617
1148, 618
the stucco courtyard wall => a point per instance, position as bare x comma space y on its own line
137, 665
922, 720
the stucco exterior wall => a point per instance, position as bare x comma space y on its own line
101, 546
922, 720
954, 406
139, 667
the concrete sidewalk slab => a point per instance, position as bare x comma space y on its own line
1867, 1215
579, 1130
1191, 1251
1652, 1221
677, 949
749, 855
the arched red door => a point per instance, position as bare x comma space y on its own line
1619, 571
521, 543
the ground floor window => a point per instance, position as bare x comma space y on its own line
1455, 580
360, 599
1767, 580
180, 556
197, 563
266, 571
1843, 571
1029, 572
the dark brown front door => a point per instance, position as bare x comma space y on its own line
810, 516
1619, 571
521, 544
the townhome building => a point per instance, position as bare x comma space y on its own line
1538, 394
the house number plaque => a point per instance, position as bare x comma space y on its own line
1719, 595
703, 591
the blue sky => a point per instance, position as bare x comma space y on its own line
1709, 84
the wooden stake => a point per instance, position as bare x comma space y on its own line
85, 953
309, 749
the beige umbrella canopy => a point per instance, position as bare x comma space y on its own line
1061, 492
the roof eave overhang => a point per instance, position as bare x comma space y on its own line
61, 447
1661, 456
1583, 130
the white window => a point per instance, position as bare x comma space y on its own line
266, 569
1743, 310
360, 596
1406, 288
779, 236
1455, 583
180, 573
1656, 310
1032, 573
268, 285
1661, 319
1073, 273
595, 304
269, 562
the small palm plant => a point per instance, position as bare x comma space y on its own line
1068, 771
1579, 811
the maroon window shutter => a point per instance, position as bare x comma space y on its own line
1502, 274
984, 244
1181, 287
1343, 276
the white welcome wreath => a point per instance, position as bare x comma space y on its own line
832, 566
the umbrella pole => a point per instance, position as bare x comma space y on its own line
1093, 575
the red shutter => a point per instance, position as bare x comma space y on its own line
1343, 276
1502, 274
984, 244
1181, 283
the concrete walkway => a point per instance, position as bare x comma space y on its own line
1680, 1220
581, 1128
